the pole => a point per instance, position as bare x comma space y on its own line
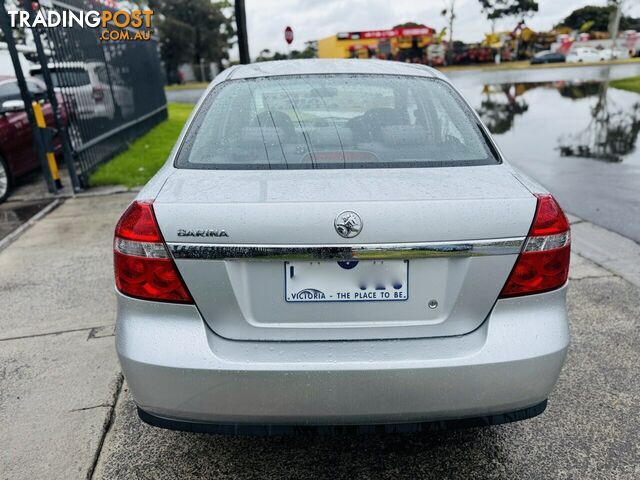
241, 27
26, 97
452, 16
53, 100
48, 134
614, 26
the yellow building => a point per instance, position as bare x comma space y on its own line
369, 43
332, 47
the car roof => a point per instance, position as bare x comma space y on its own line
317, 66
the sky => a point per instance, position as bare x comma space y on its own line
313, 19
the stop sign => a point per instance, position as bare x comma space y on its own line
288, 35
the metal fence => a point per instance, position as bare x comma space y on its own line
112, 90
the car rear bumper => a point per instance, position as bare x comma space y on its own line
179, 371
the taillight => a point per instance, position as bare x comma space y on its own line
98, 94
143, 267
543, 264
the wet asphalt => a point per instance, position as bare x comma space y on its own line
14, 214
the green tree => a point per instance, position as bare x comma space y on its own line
195, 31
310, 51
176, 45
599, 16
495, 9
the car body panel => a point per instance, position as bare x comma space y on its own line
97, 91
177, 368
548, 57
583, 54
244, 298
16, 138
239, 356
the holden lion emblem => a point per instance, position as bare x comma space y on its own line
348, 224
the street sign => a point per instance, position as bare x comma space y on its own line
288, 35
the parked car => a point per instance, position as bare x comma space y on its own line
583, 54
88, 87
339, 242
17, 151
6, 65
547, 56
613, 54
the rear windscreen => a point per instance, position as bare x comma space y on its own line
333, 121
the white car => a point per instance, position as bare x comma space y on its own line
88, 87
583, 54
613, 54
339, 242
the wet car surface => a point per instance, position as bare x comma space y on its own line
547, 113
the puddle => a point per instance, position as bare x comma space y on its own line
14, 214
584, 119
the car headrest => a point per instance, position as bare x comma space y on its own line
331, 137
404, 135
260, 136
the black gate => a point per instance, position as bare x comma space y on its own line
112, 90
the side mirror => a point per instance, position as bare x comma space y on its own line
13, 106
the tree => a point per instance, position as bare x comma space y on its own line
598, 17
310, 51
495, 9
449, 14
176, 45
193, 31
265, 56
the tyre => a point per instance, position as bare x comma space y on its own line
5, 180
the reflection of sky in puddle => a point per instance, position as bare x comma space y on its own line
533, 120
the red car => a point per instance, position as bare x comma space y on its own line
18, 155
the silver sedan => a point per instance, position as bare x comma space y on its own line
339, 243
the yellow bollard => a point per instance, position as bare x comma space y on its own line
51, 158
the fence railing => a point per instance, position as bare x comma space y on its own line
112, 90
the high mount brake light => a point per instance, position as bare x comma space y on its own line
143, 267
543, 264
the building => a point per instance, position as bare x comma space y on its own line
398, 43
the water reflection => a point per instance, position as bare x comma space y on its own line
587, 119
611, 133
501, 104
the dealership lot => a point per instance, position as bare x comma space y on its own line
65, 409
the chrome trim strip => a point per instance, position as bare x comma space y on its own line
471, 248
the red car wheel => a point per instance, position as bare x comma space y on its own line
5, 180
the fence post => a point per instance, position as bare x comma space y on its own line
241, 32
67, 148
26, 96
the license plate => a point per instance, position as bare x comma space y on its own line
349, 281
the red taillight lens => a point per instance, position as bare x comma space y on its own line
98, 94
143, 267
138, 223
543, 264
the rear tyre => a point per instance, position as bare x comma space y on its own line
5, 180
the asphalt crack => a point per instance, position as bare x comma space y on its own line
106, 426
102, 405
60, 332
